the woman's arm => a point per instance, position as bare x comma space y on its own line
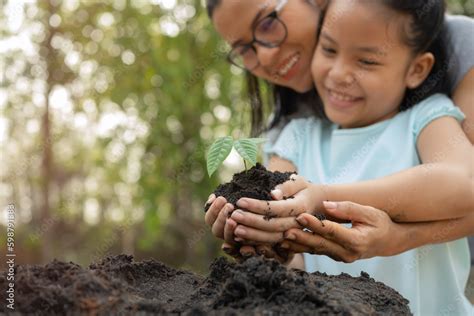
463, 97
373, 234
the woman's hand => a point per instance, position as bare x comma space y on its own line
372, 233
217, 217
223, 227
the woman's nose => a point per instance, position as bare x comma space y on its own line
267, 56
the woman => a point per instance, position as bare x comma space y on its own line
282, 59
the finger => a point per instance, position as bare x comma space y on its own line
318, 244
327, 229
284, 208
265, 250
214, 209
211, 198
229, 228
232, 251
351, 211
264, 222
248, 251
289, 188
255, 235
218, 226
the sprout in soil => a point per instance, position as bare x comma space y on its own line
221, 148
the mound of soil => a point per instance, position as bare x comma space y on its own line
119, 286
255, 183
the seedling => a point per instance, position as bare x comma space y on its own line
221, 148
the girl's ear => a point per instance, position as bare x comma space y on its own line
419, 69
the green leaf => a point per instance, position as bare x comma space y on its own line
218, 152
247, 149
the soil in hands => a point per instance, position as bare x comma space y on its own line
255, 183
119, 286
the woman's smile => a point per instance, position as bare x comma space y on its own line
289, 68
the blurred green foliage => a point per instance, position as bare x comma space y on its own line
107, 109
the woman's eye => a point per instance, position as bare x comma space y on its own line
266, 25
243, 51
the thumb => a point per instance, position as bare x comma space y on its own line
289, 188
350, 211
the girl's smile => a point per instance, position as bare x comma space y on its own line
342, 101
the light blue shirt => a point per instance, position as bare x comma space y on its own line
433, 277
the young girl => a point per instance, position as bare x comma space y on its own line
377, 68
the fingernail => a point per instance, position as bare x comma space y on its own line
247, 254
276, 193
330, 205
285, 246
242, 203
302, 221
239, 231
210, 198
290, 236
238, 239
237, 215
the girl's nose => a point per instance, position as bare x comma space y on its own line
341, 74
267, 56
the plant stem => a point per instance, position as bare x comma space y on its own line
245, 164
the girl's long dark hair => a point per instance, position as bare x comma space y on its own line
426, 33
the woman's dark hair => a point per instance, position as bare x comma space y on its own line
426, 32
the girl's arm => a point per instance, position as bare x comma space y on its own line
463, 97
441, 188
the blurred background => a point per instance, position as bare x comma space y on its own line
107, 108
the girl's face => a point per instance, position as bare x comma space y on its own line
287, 65
361, 66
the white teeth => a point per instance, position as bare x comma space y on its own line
341, 97
284, 70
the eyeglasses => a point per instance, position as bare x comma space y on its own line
268, 32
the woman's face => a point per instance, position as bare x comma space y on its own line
289, 64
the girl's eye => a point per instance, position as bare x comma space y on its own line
328, 50
368, 62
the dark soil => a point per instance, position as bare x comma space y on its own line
119, 286
255, 183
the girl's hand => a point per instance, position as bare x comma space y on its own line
372, 233
266, 221
294, 197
